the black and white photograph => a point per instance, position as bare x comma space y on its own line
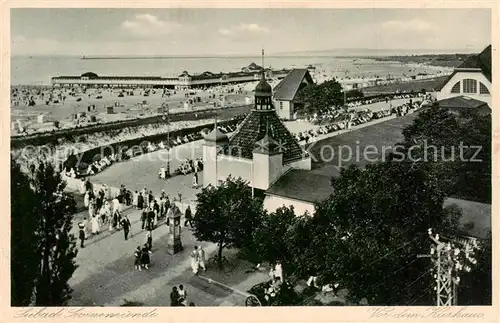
251, 157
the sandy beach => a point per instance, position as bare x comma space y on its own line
126, 104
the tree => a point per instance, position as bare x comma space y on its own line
318, 98
25, 259
272, 239
370, 230
450, 142
227, 215
56, 245
354, 94
476, 287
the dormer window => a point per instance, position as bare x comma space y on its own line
483, 89
469, 86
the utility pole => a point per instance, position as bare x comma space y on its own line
450, 258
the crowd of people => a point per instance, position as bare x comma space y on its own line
340, 119
103, 211
386, 98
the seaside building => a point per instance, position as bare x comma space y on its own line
260, 150
469, 84
183, 81
285, 93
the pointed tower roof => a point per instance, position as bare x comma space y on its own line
253, 129
267, 144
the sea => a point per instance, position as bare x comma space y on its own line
38, 70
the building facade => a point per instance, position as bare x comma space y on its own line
260, 151
183, 81
472, 79
286, 92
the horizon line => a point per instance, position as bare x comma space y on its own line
369, 52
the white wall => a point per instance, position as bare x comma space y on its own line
445, 92
266, 170
234, 166
209, 152
273, 202
283, 109
304, 163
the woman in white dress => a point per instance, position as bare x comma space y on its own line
201, 258
86, 199
194, 260
91, 209
95, 225
135, 199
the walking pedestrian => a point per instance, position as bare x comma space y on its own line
144, 216
140, 201
95, 225
156, 209
162, 206
137, 261
150, 218
125, 222
145, 260
135, 200
188, 217
194, 260
81, 234
182, 295
201, 257
174, 297
149, 240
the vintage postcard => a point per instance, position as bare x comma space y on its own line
313, 163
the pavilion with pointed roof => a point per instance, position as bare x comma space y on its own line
260, 150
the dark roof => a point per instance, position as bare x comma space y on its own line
267, 145
482, 62
253, 67
289, 86
476, 217
302, 185
263, 88
253, 128
90, 75
462, 102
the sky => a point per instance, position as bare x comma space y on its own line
200, 32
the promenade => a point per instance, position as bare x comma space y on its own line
106, 275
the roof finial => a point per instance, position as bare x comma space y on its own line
262, 57
263, 68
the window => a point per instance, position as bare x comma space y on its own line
469, 86
281, 105
456, 88
483, 89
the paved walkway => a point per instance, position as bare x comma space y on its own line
106, 275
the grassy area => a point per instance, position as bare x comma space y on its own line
345, 146
429, 85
